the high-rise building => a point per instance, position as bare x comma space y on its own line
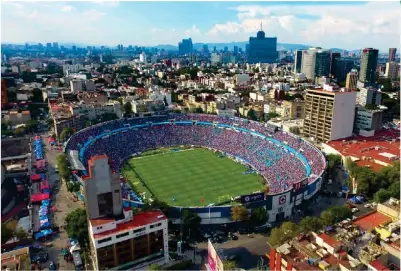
235, 50
118, 239
369, 95
391, 54
334, 57
214, 49
309, 63
352, 80
367, 73
262, 49
329, 113
55, 45
322, 66
342, 67
205, 48
298, 61
225, 49
185, 46
216, 58
142, 57
392, 70
48, 45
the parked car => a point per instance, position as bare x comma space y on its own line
41, 257
354, 210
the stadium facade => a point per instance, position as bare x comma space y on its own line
122, 139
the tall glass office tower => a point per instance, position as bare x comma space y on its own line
262, 49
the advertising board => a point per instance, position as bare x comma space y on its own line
214, 262
252, 197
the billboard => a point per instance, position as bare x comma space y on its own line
301, 184
213, 259
281, 200
252, 197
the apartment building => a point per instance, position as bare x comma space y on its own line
293, 109
369, 95
367, 119
352, 80
118, 239
392, 70
329, 113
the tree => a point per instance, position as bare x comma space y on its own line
382, 195
63, 167
108, 116
32, 125
6, 233
239, 213
154, 266
20, 234
77, 225
335, 214
309, 223
20, 131
127, 108
251, 114
295, 130
37, 96
394, 190
229, 265
371, 107
287, 231
66, 133
259, 216
334, 160
191, 221
327, 217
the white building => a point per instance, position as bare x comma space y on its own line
309, 63
76, 85
142, 58
392, 70
369, 96
216, 58
72, 68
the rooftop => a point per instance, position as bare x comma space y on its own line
329, 240
138, 220
371, 221
384, 146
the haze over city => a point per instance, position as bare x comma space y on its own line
345, 25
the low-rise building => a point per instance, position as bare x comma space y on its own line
367, 120
293, 109
17, 117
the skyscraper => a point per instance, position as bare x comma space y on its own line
392, 70
235, 50
391, 54
298, 61
341, 68
205, 48
322, 66
55, 45
367, 72
352, 80
334, 57
185, 46
262, 49
309, 63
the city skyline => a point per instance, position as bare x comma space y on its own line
346, 25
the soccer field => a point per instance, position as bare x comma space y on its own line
190, 175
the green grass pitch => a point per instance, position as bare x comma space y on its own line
190, 175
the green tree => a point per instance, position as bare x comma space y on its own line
334, 160
6, 233
191, 221
108, 116
20, 131
239, 213
295, 130
20, 234
394, 190
259, 216
229, 265
37, 96
31, 125
65, 134
63, 167
327, 217
309, 223
127, 108
153, 267
77, 225
251, 114
287, 231
382, 195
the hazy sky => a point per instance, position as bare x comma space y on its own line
348, 25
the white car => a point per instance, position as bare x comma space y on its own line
354, 210
368, 205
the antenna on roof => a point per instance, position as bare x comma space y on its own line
261, 29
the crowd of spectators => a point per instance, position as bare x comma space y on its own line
279, 167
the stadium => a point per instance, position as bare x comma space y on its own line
205, 163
